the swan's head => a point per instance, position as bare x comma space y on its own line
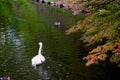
40, 43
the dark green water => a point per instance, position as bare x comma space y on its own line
19, 37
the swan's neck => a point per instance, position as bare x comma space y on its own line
40, 49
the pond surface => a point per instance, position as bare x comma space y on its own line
19, 43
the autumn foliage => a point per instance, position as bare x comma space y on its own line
100, 27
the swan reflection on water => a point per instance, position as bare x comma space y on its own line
43, 73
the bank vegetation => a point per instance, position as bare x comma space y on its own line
100, 28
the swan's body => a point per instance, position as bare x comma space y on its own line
38, 59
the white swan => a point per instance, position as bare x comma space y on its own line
38, 59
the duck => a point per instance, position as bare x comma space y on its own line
57, 23
38, 59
